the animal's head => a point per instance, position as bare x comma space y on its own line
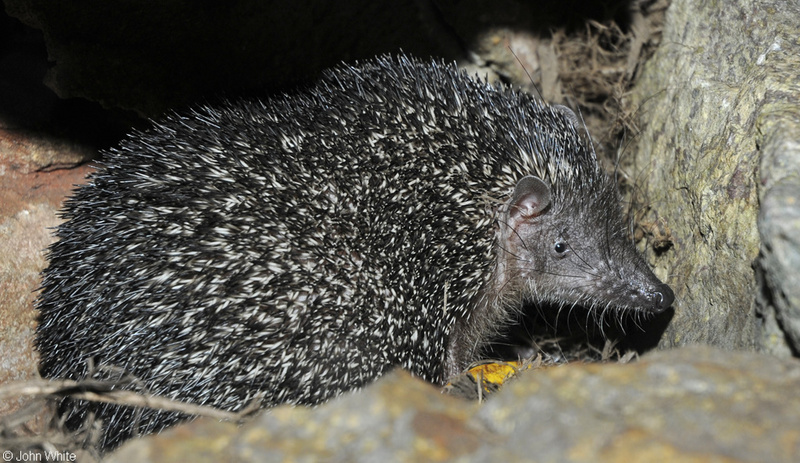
575, 251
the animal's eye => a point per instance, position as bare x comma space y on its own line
560, 247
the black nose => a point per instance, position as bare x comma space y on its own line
664, 297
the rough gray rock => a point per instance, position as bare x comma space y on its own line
694, 404
718, 100
779, 218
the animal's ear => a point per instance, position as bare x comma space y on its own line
530, 199
570, 115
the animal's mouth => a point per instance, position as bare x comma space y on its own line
583, 331
643, 294
649, 300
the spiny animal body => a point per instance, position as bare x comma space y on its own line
394, 214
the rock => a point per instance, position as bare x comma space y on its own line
719, 107
691, 404
152, 56
28, 205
